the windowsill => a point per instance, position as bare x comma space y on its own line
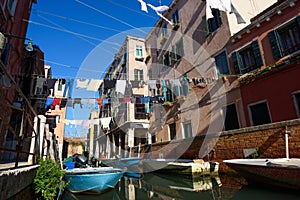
141, 59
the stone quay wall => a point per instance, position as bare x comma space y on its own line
268, 140
14, 181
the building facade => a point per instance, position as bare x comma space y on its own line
18, 110
123, 108
266, 54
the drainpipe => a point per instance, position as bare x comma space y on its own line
33, 141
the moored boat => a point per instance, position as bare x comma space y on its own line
280, 172
92, 180
130, 165
180, 166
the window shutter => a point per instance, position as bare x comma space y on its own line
218, 18
136, 75
257, 53
180, 49
141, 75
235, 60
205, 26
274, 42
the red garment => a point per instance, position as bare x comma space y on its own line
55, 102
99, 102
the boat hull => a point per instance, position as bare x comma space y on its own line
275, 172
92, 181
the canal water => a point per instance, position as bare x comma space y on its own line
155, 186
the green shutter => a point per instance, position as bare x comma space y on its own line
136, 75
235, 60
274, 42
257, 53
180, 49
141, 75
205, 26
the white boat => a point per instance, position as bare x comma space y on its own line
282, 172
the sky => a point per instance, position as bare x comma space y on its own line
79, 38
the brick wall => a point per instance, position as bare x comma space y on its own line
268, 140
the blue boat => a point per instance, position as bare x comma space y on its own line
130, 165
92, 180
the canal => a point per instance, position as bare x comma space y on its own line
157, 186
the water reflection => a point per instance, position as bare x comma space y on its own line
157, 186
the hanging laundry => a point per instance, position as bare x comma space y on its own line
127, 99
158, 11
48, 102
82, 83
151, 84
121, 86
104, 101
68, 88
94, 85
108, 84
50, 83
56, 102
105, 122
70, 102
63, 103
143, 6
223, 5
77, 101
99, 101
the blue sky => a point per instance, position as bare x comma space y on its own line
80, 37
68, 30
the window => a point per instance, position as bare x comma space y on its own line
138, 51
296, 97
187, 129
221, 63
286, 39
231, 119
12, 6
175, 17
177, 51
164, 30
138, 74
140, 109
259, 114
172, 131
212, 24
247, 59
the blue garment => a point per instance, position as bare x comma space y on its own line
104, 101
49, 102
68, 88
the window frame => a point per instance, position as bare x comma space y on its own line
227, 63
224, 113
138, 51
297, 108
256, 103
183, 124
276, 40
175, 17
169, 131
238, 63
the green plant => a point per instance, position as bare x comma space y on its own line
48, 179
